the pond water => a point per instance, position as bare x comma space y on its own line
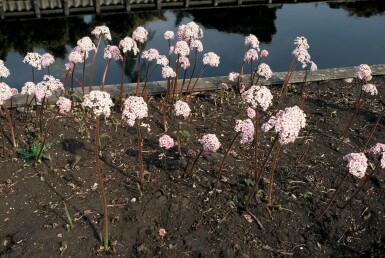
339, 34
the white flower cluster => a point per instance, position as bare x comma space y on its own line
287, 123
33, 59
47, 87
128, 44
5, 92
102, 31
258, 95
134, 108
99, 101
246, 127
4, 72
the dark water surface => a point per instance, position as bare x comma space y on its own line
339, 34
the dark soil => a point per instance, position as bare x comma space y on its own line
200, 221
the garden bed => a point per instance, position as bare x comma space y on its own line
199, 220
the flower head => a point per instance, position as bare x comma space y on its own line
233, 76
162, 232
250, 113
357, 164
85, 45
264, 53
5, 92
99, 102
252, 41
33, 59
250, 55
102, 31
47, 59
184, 62
165, 141
168, 35
211, 59
196, 43
112, 52
258, 95
162, 60
4, 72
150, 54
182, 108
302, 56
379, 150
75, 57
28, 88
287, 123
264, 71
69, 67
370, 88
301, 42
190, 31
47, 87
128, 44
246, 127
363, 71
64, 105
210, 142
134, 108
182, 48
140, 34
14, 91
168, 72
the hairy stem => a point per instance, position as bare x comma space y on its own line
271, 182
102, 191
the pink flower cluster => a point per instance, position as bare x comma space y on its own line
250, 113
246, 127
46, 60
363, 71
29, 88
258, 95
4, 72
85, 45
168, 72
112, 52
210, 142
102, 31
168, 35
357, 164
184, 62
69, 67
250, 55
99, 101
264, 71
182, 108
5, 92
162, 60
140, 34
302, 54
182, 48
264, 53
165, 141
33, 59
190, 31
134, 108
233, 76
252, 41
379, 150
370, 88
47, 87
196, 43
211, 59
64, 105
75, 57
128, 44
150, 54
287, 123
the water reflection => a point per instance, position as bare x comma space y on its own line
275, 26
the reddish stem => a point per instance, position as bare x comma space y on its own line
271, 182
102, 190
105, 73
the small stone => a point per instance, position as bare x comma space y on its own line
348, 80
